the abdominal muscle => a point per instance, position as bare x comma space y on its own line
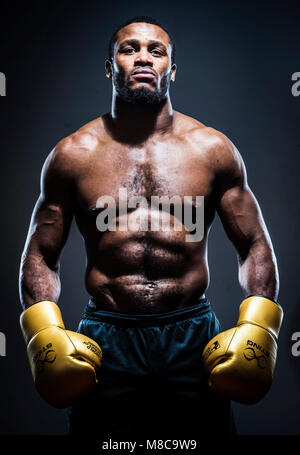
145, 272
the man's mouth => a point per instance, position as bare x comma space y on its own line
144, 74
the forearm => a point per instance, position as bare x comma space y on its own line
37, 281
258, 272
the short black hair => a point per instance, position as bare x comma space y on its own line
148, 20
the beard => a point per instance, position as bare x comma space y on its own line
142, 95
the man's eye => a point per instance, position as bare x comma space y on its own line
157, 52
129, 50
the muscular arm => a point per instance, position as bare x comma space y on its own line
48, 231
243, 222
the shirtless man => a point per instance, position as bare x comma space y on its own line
166, 368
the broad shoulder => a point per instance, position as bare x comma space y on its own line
210, 143
86, 138
70, 153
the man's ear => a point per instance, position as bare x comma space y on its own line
173, 72
108, 67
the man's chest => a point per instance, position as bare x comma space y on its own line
168, 169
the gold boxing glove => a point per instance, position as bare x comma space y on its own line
240, 362
63, 363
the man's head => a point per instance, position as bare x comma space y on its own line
141, 61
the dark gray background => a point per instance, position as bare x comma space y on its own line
235, 61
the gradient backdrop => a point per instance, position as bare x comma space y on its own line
235, 62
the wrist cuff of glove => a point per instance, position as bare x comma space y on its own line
39, 316
261, 311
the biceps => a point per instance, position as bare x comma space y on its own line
242, 218
48, 231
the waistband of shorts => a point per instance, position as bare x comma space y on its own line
147, 320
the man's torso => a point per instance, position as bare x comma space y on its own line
134, 270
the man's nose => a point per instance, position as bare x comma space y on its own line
143, 57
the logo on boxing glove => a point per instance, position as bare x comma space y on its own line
250, 354
93, 348
45, 355
211, 349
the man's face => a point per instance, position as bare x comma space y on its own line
141, 67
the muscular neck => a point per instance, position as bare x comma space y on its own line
133, 123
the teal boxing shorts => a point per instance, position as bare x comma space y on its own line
152, 383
